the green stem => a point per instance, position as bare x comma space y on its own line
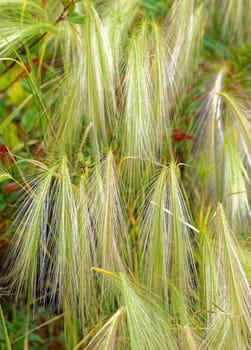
6, 335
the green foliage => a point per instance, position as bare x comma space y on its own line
123, 127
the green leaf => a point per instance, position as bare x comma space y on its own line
33, 337
4, 176
28, 120
5, 331
76, 17
11, 136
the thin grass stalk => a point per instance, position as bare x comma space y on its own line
98, 68
88, 293
211, 138
108, 219
17, 30
138, 117
118, 18
152, 332
232, 19
167, 256
235, 185
241, 120
29, 253
233, 298
183, 25
65, 239
110, 335
5, 331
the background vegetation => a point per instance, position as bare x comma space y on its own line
125, 174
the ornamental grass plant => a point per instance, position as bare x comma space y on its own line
125, 148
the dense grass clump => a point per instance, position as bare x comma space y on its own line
125, 155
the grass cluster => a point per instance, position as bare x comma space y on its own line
125, 161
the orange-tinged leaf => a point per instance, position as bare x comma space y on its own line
179, 135
11, 187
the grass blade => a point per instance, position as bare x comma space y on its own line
166, 241
5, 331
233, 291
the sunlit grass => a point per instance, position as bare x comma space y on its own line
119, 225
